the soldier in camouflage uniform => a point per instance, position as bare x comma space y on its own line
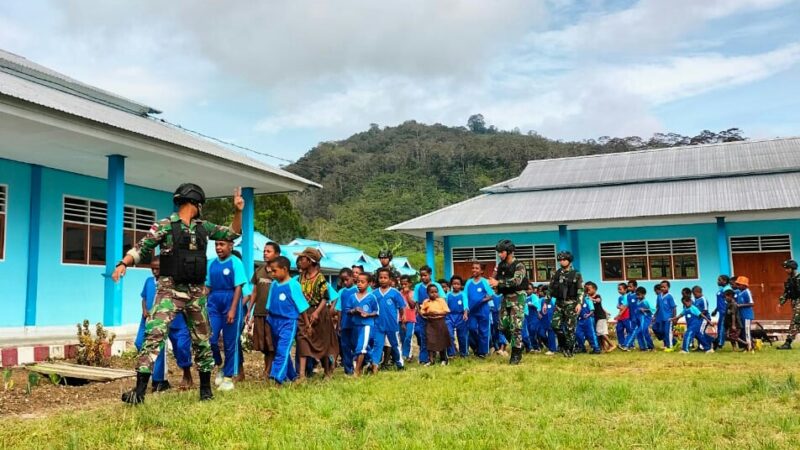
512, 283
567, 287
385, 257
185, 261
791, 292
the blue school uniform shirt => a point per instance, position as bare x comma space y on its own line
390, 304
497, 302
149, 292
745, 312
457, 303
476, 292
218, 271
286, 300
368, 304
644, 305
345, 303
421, 291
722, 307
586, 307
632, 307
666, 303
693, 316
534, 302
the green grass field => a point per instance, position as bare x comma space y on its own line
619, 400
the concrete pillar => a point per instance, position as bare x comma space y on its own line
722, 247
115, 197
430, 253
248, 228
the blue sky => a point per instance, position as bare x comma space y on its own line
280, 77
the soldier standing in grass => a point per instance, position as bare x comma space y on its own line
791, 292
567, 288
182, 238
512, 283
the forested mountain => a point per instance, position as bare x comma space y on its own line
384, 176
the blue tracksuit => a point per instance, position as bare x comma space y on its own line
222, 277
479, 315
532, 320
498, 338
624, 327
456, 325
346, 342
420, 295
362, 326
546, 332
663, 319
178, 336
641, 315
694, 319
390, 306
745, 312
703, 339
585, 330
721, 309
285, 303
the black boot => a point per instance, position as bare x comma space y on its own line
136, 396
516, 356
205, 386
161, 386
786, 345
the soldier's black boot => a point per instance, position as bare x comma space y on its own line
516, 356
205, 386
786, 345
136, 395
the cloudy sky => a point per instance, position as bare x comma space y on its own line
282, 76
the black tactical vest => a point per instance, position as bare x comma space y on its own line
187, 262
506, 271
565, 285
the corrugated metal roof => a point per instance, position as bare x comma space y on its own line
671, 198
48, 97
688, 162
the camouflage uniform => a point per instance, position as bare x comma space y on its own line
512, 281
171, 299
792, 292
567, 287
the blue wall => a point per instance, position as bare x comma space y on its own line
14, 267
67, 293
586, 245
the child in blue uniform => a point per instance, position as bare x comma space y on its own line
641, 315
532, 319
390, 305
694, 319
363, 312
499, 341
623, 317
346, 342
744, 303
665, 312
721, 309
178, 335
479, 298
227, 282
585, 330
703, 339
285, 304
457, 319
546, 332
420, 295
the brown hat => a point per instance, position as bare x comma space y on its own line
744, 281
311, 253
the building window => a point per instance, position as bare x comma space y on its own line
761, 244
3, 208
540, 260
84, 231
649, 260
469, 254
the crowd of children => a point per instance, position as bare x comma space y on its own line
370, 321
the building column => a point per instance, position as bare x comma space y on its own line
248, 228
448, 259
32, 288
722, 247
563, 238
430, 253
115, 196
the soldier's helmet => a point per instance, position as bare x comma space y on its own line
790, 264
564, 255
385, 253
505, 246
189, 193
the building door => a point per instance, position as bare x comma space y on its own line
463, 257
464, 269
760, 258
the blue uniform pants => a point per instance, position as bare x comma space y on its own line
458, 328
479, 334
532, 324
641, 334
663, 331
283, 334
498, 338
346, 347
422, 342
378, 338
546, 332
585, 332
703, 339
721, 330
181, 342
217, 317
408, 339
624, 329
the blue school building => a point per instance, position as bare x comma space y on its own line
684, 214
83, 174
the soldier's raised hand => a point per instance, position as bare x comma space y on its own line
238, 200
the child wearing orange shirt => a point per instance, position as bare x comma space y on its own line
434, 310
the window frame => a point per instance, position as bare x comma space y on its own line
646, 256
531, 264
